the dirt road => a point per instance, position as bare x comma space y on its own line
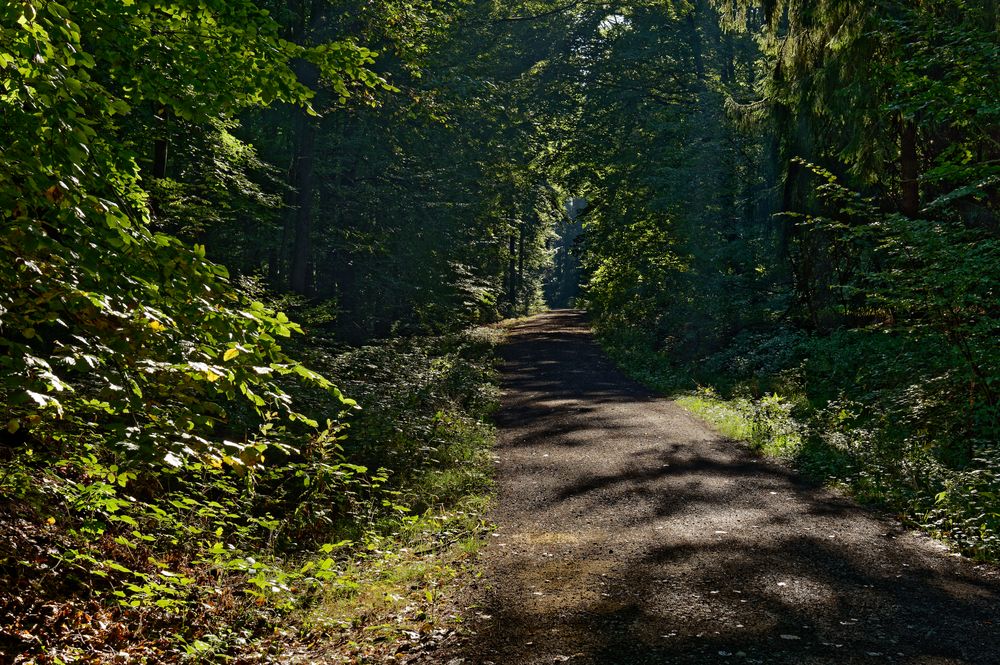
630, 532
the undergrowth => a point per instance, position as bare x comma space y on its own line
851, 409
344, 537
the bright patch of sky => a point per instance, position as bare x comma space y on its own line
613, 23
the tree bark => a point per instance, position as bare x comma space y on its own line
160, 147
520, 260
306, 129
695, 41
512, 274
302, 180
729, 60
909, 169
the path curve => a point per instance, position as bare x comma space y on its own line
630, 532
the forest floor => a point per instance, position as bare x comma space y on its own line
627, 531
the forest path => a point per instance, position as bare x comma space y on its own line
630, 532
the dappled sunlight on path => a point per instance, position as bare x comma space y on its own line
629, 532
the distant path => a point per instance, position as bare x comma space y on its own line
630, 532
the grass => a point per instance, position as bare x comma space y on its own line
722, 414
765, 424
401, 595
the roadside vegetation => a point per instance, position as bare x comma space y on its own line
343, 541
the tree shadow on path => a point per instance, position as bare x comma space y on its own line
629, 532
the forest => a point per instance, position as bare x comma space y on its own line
257, 255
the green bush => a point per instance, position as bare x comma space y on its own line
212, 552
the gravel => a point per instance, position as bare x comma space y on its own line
628, 531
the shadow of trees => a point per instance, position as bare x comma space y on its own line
631, 534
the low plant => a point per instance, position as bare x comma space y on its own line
202, 559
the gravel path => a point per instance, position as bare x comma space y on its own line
630, 532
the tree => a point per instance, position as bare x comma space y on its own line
113, 329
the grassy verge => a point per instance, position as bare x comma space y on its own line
395, 594
397, 598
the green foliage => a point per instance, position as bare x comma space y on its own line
113, 330
831, 237
163, 453
216, 552
424, 404
404, 216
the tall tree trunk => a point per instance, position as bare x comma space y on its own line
512, 274
520, 260
304, 16
306, 129
909, 169
160, 147
695, 41
300, 280
729, 59
786, 229
273, 264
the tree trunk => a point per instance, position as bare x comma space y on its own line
909, 169
729, 60
789, 198
306, 129
695, 41
160, 147
520, 261
300, 279
512, 274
